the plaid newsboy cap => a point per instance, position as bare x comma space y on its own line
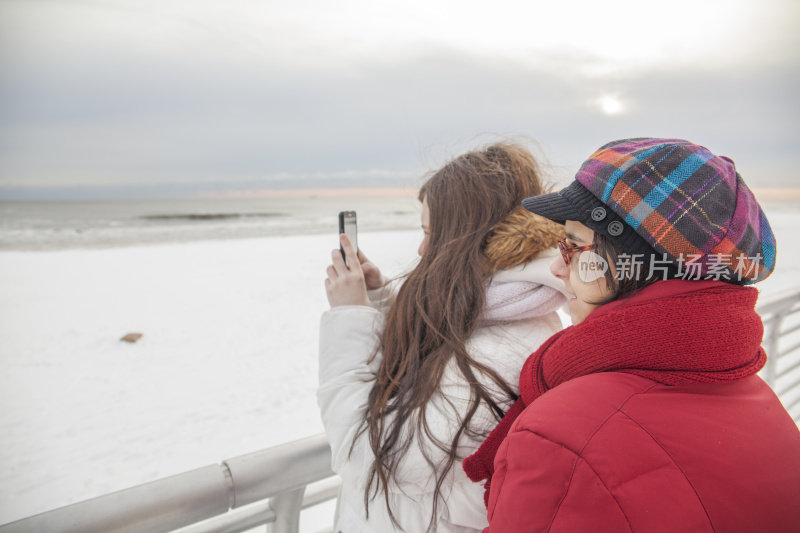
679, 198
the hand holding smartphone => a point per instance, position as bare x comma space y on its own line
346, 284
373, 278
348, 226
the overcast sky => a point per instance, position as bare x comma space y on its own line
180, 97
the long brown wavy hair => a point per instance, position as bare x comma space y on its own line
437, 309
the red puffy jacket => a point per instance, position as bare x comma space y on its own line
615, 452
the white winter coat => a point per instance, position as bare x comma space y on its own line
348, 337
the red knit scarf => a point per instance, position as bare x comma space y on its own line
673, 332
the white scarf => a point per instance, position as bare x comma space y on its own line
519, 300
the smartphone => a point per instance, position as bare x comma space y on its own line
348, 226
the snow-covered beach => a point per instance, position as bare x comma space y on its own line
226, 364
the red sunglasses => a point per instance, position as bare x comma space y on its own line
568, 251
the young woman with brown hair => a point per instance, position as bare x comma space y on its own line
411, 383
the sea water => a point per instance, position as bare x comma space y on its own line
54, 224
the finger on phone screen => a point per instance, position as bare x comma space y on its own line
349, 252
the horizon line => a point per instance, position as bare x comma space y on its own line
364, 192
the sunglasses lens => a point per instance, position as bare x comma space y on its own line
562, 247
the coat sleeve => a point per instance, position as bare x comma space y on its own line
541, 485
348, 339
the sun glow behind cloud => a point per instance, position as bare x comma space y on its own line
610, 105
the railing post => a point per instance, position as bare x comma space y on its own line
286, 507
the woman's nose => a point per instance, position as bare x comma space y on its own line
559, 269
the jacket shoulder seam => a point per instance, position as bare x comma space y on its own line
663, 449
579, 455
618, 409
578, 458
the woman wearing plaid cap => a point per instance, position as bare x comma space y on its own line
647, 414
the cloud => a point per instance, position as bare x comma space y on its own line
180, 113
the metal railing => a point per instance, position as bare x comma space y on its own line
273, 486
780, 314
267, 487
